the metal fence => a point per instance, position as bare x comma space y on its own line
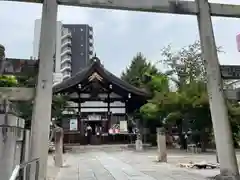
22, 171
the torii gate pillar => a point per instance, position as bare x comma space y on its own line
42, 105
219, 113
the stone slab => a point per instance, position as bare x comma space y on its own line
17, 93
125, 165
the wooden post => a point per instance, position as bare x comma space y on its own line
79, 116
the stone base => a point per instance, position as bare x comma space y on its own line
162, 157
221, 177
139, 145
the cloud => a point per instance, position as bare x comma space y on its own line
119, 35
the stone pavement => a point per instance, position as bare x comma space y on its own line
52, 170
121, 165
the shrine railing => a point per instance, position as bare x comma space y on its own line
16, 175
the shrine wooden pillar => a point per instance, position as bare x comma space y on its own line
79, 115
108, 111
126, 110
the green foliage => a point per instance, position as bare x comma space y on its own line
185, 65
174, 118
25, 108
143, 74
158, 83
138, 71
149, 111
8, 81
27, 81
59, 104
188, 106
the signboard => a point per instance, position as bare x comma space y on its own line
123, 126
20, 67
231, 94
73, 125
94, 117
230, 71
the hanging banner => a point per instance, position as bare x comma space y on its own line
94, 117
73, 125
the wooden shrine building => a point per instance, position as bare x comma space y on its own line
99, 99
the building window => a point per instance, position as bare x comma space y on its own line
81, 45
81, 29
81, 54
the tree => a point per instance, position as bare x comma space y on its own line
158, 85
186, 64
143, 74
135, 74
59, 104
186, 108
186, 69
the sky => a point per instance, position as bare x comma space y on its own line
118, 35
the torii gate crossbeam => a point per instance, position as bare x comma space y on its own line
157, 6
201, 8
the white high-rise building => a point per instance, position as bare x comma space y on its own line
73, 48
63, 39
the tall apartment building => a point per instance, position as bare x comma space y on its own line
81, 46
73, 48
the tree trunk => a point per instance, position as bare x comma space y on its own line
204, 140
181, 137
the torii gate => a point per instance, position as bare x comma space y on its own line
201, 8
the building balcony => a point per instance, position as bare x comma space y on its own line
91, 48
66, 59
66, 76
66, 51
66, 43
66, 68
90, 36
66, 34
91, 40
90, 44
90, 32
90, 53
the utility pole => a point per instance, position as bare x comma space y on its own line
40, 126
219, 113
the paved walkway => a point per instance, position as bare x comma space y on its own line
125, 165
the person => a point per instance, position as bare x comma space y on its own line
89, 133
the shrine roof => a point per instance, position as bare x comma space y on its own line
97, 67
